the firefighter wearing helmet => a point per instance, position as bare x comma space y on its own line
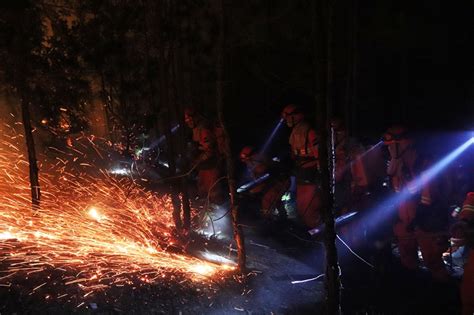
270, 191
463, 235
206, 157
304, 151
422, 210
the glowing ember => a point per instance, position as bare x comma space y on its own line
95, 214
6, 236
204, 270
94, 229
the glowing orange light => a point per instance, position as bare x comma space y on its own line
94, 213
97, 229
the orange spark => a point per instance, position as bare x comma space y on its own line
107, 228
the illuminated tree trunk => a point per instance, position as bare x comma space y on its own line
30, 145
237, 228
323, 43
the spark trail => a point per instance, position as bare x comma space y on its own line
95, 229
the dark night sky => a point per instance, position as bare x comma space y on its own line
414, 66
413, 61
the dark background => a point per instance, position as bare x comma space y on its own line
412, 59
407, 62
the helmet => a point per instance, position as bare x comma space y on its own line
398, 141
395, 134
289, 110
292, 114
246, 153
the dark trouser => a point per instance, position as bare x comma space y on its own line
431, 244
308, 195
467, 286
308, 204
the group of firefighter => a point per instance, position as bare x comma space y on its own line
422, 223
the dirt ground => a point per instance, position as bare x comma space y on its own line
277, 255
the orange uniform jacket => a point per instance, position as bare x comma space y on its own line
304, 145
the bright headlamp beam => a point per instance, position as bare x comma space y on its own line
162, 138
362, 155
253, 183
440, 165
380, 212
272, 135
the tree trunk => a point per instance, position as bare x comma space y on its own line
352, 58
323, 44
164, 84
237, 228
355, 61
30, 145
403, 64
176, 79
163, 9
105, 99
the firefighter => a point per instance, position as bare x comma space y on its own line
463, 232
422, 214
351, 175
304, 151
271, 190
207, 159
351, 178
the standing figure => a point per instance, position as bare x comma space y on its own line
422, 212
272, 189
463, 232
352, 181
206, 156
351, 175
304, 151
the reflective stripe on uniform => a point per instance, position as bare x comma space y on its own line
301, 152
425, 200
411, 186
468, 208
299, 140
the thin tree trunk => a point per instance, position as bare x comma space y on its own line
179, 114
105, 99
403, 64
175, 85
176, 80
323, 43
164, 10
30, 145
355, 58
351, 78
238, 231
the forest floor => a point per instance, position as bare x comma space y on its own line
277, 255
